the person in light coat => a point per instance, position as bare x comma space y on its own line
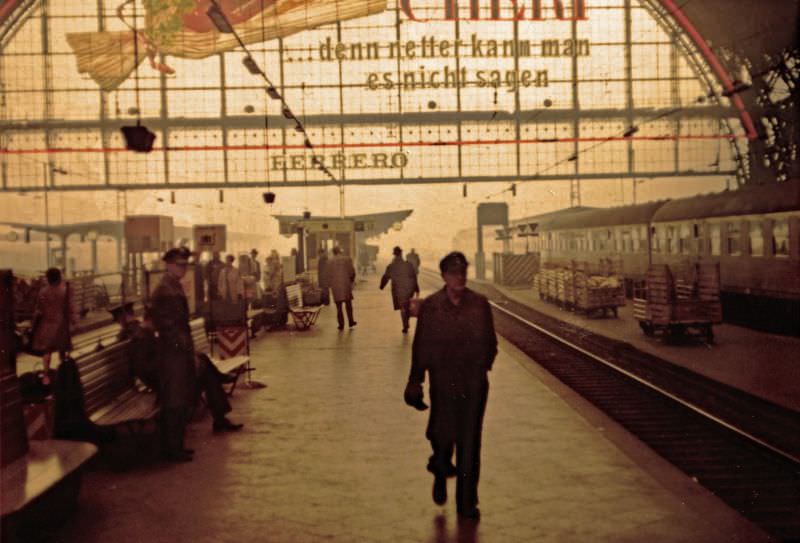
341, 275
54, 315
231, 288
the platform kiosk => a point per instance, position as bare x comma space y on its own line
145, 236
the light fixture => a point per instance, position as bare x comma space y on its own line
251, 65
218, 18
273, 93
269, 197
138, 138
630, 131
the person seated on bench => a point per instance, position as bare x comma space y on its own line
143, 358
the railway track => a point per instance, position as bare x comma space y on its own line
743, 449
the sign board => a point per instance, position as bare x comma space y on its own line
149, 233
327, 225
493, 214
209, 237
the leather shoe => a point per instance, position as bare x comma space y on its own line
225, 425
440, 490
352, 324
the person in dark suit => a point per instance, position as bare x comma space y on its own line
341, 275
176, 371
455, 344
404, 284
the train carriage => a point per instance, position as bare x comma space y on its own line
753, 233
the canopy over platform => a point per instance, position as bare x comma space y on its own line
369, 225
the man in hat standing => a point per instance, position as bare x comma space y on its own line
176, 368
404, 284
456, 344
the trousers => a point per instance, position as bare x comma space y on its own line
340, 318
468, 425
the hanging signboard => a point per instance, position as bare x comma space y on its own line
209, 237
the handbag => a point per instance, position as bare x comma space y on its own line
32, 387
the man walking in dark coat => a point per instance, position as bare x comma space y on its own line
404, 284
176, 371
341, 275
456, 344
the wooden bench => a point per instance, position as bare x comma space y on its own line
235, 365
109, 388
41, 484
304, 317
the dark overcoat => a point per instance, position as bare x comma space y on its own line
322, 272
456, 345
404, 281
341, 275
176, 368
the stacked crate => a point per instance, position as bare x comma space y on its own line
708, 287
603, 289
565, 292
660, 294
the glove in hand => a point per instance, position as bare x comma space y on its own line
413, 396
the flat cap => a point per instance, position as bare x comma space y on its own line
177, 255
453, 262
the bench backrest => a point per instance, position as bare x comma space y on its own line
294, 294
105, 374
199, 337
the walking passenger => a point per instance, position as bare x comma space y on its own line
231, 288
413, 259
322, 275
456, 344
176, 366
404, 284
341, 275
213, 269
54, 315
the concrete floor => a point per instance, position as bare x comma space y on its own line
331, 453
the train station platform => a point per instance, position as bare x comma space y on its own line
762, 364
331, 453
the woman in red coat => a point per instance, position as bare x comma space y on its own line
55, 313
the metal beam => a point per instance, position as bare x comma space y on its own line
535, 116
691, 175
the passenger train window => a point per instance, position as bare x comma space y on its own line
756, 239
780, 238
732, 234
670, 244
685, 239
716, 240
